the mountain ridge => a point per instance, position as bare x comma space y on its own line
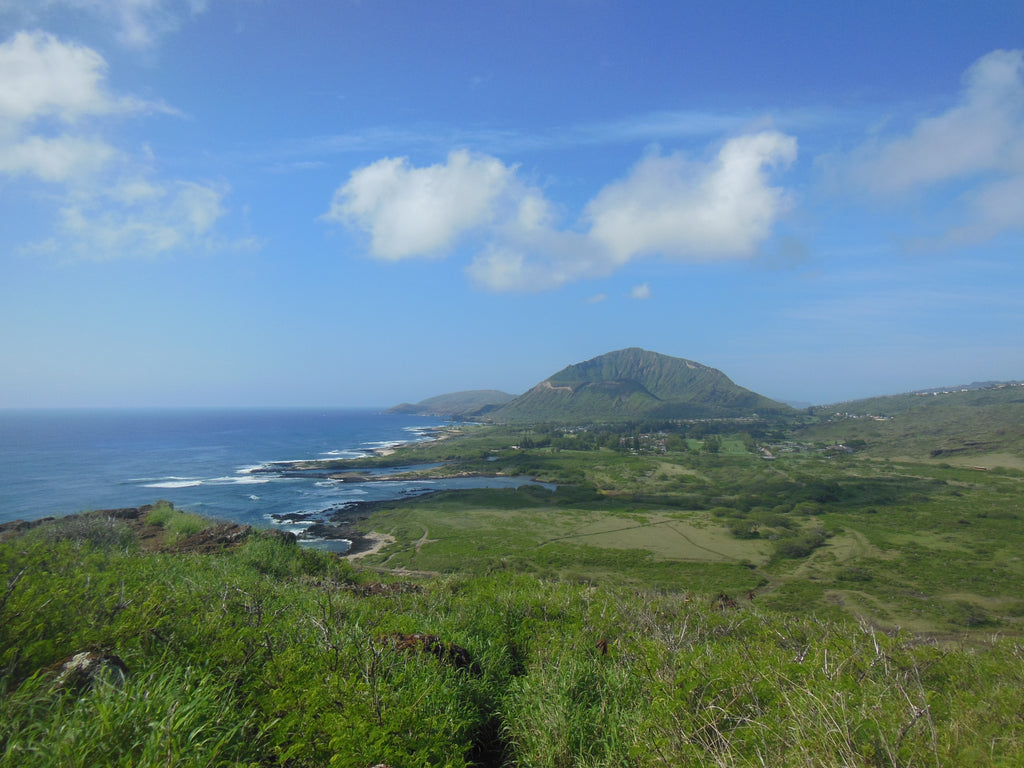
466, 403
634, 383
621, 385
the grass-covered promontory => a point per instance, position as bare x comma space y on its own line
266, 654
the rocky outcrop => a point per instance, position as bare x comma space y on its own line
81, 671
214, 539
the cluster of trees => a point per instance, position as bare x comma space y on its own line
641, 437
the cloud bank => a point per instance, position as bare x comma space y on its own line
667, 206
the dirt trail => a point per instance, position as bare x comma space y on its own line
423, 540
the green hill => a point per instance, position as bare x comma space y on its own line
456, 403
979, 425
635, 384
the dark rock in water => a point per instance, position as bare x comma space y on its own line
89, 668
296, 516
324, 531
348, 477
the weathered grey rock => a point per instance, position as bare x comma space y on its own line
90, 668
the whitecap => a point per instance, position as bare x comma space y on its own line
240, 480
248, 470
177, 483
291, 525
379, 444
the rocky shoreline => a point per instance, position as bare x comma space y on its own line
333, 524
339, 524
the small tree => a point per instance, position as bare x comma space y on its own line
712, 444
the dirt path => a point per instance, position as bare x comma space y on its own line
423, 540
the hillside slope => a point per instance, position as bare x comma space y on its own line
982, 426
635, 384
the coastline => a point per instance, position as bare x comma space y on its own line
436, 435
202, 459
368, 544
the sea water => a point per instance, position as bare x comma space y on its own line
56, 462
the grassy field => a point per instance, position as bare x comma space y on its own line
920, 544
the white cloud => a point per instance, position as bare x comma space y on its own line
135, 23
54, 159
53, 104
975, 149
545, 261
43, 76
143, 220
46, 80
142, 21
641, 292
666, 206
597, 298
981, 133
420, 211
992, 208
673, 207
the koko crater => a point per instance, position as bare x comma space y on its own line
628, 384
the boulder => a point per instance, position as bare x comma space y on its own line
82, 671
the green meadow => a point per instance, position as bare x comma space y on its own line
916, 543
819, 591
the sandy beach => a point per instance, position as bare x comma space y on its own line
380, 540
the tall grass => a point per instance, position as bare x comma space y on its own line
177, 524
170, 715
266, 656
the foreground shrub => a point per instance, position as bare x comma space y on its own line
177, 524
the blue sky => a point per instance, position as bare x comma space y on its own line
261, 202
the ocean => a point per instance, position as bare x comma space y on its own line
56, 462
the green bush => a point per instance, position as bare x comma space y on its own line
177, 524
